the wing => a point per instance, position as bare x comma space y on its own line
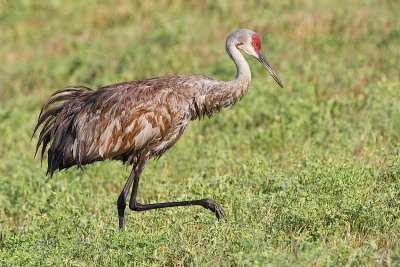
113, 122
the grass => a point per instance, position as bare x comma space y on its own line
308, 174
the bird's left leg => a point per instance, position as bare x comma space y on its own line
121, 202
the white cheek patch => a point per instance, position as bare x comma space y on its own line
249, 49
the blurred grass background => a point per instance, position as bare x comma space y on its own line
308, 174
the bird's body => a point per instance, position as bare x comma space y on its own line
121, 121
135, 121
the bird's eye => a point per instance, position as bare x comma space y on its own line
253, 43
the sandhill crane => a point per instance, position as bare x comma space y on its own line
138, 120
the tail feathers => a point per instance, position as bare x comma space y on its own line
64, 94
54, 161
56, 122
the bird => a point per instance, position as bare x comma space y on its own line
136, 121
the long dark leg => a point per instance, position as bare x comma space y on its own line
121, 202
206, 203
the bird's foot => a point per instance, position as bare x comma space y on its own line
214, 207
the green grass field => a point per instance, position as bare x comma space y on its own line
308, 174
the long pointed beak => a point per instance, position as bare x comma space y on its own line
264, 61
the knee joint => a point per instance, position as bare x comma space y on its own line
133, 205
121, 202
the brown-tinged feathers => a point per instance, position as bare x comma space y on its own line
122, 121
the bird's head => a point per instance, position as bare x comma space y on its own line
249, 42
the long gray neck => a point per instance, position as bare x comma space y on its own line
216, 95
243, 70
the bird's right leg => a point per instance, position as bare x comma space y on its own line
121, 203
134, 205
